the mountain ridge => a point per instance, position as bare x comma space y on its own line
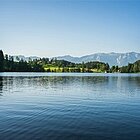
112, 58
120, 59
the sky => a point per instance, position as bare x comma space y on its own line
50, 28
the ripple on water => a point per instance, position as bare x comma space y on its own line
90, 106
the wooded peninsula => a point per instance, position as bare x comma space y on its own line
7, 64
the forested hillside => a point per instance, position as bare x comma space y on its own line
7, 64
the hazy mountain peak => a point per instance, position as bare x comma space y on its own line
120, 59
112, 58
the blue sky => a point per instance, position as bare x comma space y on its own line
75, 27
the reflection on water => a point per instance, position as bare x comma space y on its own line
71, 106
121, 84
1, 85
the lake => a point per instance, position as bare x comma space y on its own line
69, 106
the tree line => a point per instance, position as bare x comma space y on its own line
7, 64
131, 68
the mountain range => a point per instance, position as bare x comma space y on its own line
120, 59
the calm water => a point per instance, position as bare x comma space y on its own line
45, 106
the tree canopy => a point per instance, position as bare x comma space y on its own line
8, 64
1, 61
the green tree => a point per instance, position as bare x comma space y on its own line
83, 67
1, 61
107, 67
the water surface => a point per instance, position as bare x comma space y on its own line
69, 106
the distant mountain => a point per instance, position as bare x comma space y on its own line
22, 57
120, 59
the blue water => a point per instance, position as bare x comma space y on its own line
69, 106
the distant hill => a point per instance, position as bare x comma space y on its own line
22, 57
131, 68
120, 59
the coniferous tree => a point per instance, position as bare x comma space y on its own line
1, 61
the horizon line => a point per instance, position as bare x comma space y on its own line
70, 54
